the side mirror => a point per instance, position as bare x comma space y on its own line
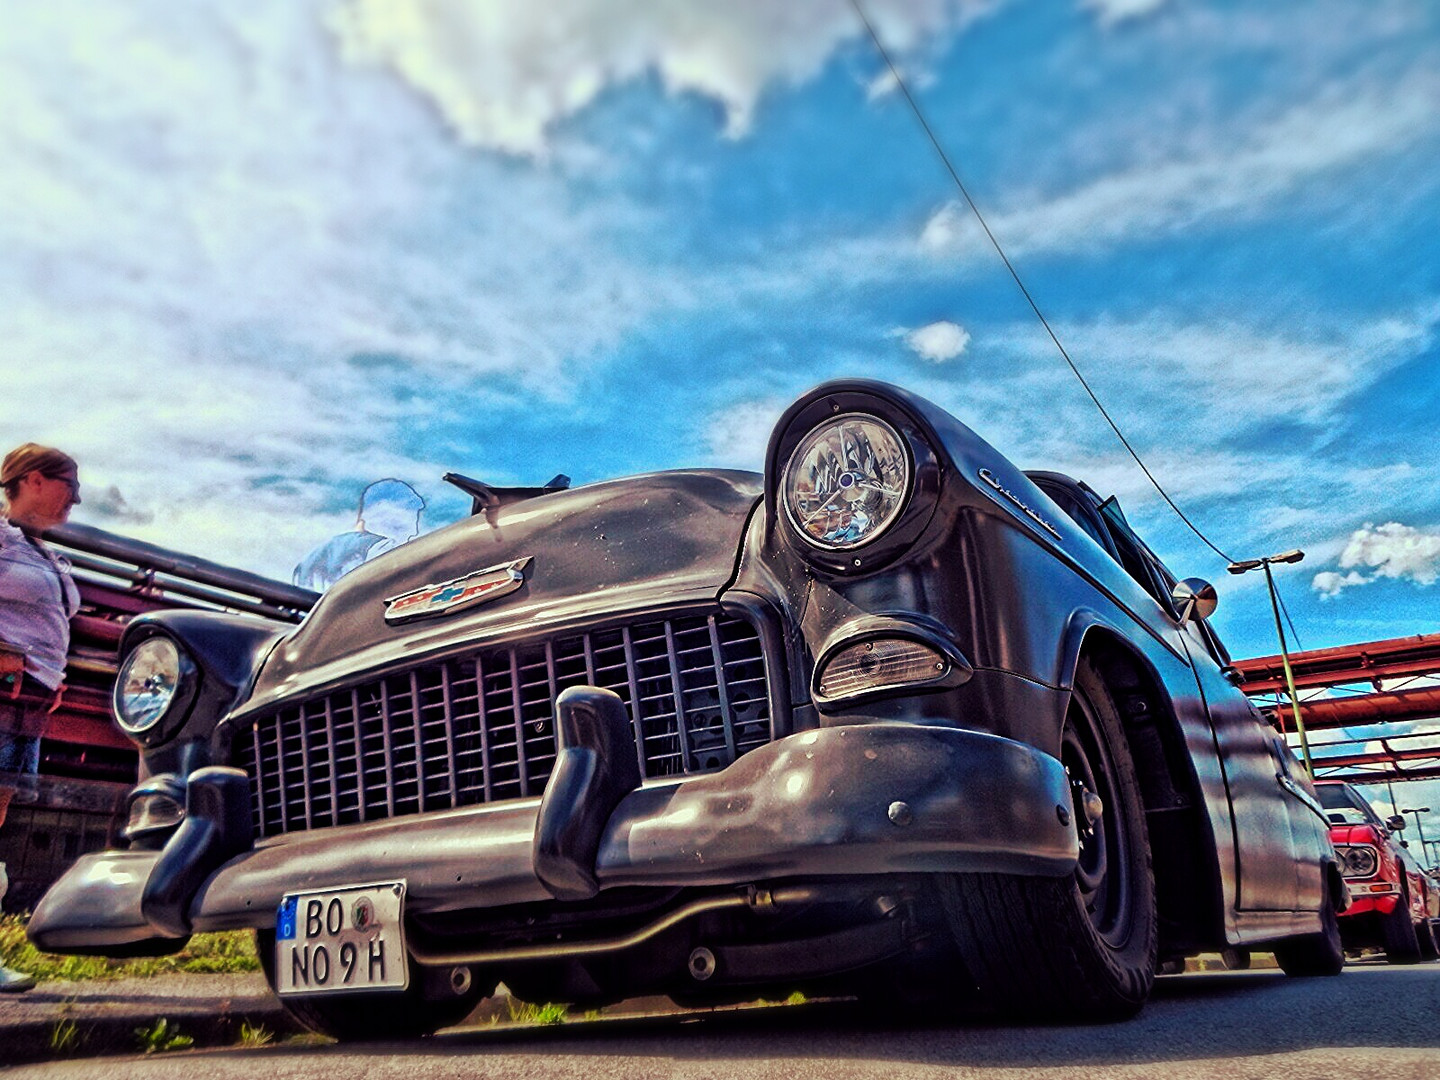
1395, 824
1195, 597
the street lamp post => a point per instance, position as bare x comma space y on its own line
1242, 567
1419, 829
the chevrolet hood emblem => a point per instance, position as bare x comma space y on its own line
478, 587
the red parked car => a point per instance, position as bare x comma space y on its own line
1392, 899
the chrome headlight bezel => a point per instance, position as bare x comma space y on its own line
912, 513
886, 454
172, 682
1359, 861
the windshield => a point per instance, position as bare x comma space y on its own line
1343, 805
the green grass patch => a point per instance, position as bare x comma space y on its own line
162, 1036
524, 1012
65, 1037
230, 952
254, 1035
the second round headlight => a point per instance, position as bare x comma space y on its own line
147, 683
847, 481
1359, 861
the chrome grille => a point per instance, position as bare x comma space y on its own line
481, 728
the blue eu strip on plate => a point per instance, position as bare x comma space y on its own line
285, 920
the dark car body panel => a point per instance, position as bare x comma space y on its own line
982, 561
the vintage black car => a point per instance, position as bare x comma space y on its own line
895, 719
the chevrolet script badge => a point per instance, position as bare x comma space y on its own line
477, 588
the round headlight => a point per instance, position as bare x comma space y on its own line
847, 481
1359, 862
147, 683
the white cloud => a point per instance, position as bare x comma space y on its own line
737, 437
952, 230
1299, 373
230, 295
1329, 584
1391, 551
938, 341
882, 85
503, 72
1111, 12
1220, 369
1223, 176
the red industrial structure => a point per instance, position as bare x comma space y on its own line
1365, 689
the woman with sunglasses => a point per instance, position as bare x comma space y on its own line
37, 599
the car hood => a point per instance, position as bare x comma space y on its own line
1353, 834
623, 545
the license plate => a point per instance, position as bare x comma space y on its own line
335, 940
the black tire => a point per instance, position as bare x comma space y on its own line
1081, 947
1425, 933
1402, 941
381, 1016
1319, 954
1235, 959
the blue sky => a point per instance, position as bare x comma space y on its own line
255, 255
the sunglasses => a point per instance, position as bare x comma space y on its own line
67, 478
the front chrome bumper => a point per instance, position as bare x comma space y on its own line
866, 799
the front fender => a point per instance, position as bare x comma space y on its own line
227, 651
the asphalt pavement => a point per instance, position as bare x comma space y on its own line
1375, 1021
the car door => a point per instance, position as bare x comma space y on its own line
1266, 833
1308, 823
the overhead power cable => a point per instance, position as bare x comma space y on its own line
955, 176
1291, 622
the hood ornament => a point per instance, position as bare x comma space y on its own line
478, 587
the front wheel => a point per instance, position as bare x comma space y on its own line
1402, 941
1081, 947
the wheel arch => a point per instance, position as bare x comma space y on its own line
1188, 887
